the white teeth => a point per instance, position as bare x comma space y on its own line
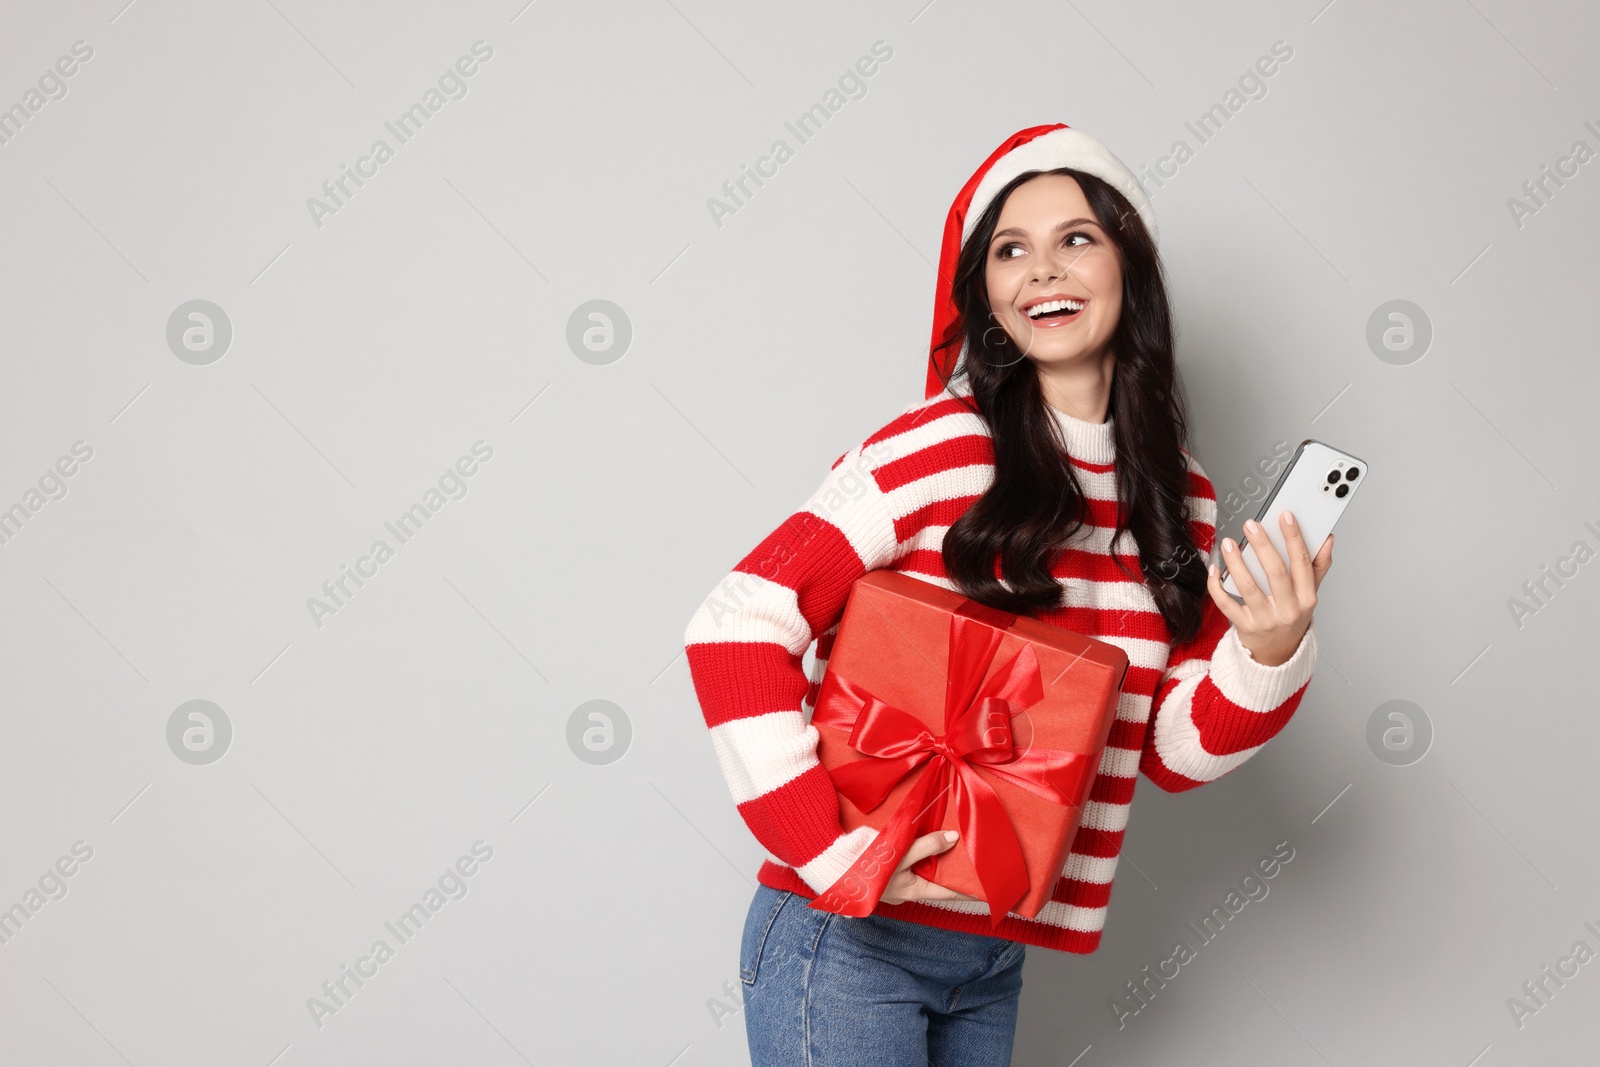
1054, 305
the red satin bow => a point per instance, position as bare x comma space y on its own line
978, 733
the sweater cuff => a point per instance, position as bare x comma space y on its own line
829, 865
1254, 686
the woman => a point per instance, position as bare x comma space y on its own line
1052, 397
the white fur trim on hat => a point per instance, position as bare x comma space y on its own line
1066, 147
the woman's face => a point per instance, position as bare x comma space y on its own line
1048, 244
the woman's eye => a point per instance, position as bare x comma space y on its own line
1003, 252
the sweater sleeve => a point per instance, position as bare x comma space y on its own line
1215, 706
745, 645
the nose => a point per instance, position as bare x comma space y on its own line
1050, 265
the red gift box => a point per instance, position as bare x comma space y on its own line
930, 697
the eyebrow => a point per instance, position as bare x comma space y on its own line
1012, 231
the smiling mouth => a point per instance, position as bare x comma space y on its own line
1055, 312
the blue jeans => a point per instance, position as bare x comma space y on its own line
826, 990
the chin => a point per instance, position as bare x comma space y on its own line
1052, 354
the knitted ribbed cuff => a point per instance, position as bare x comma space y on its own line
830, 864
1257, 687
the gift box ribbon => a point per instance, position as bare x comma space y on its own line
978, 734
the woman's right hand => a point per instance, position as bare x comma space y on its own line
904, 885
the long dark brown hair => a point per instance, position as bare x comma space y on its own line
1035, 503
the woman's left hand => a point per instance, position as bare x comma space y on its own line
1271, 624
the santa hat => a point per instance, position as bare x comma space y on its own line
1036, 148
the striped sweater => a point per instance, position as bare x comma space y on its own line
1187, 714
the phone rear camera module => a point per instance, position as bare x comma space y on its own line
1333, 476
1353, 473
1343, 490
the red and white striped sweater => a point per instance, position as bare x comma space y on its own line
1187, 714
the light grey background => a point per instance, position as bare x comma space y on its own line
432, 311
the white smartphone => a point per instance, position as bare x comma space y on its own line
1317, 486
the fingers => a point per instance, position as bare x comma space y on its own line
1323, 560
1294, 542
1271, 562
927, 890
927, 845
1243, 580
1220, 596
918, 888
905, 885
899, 884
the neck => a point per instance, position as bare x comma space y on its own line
1086, 440
1082, 390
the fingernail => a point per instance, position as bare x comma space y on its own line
1252, 526
1289, 517
1213, 570
1228, 545
950, 835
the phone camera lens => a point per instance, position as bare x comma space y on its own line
1343, 490
1353, 473
1333, 476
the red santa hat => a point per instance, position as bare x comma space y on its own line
1036, 148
